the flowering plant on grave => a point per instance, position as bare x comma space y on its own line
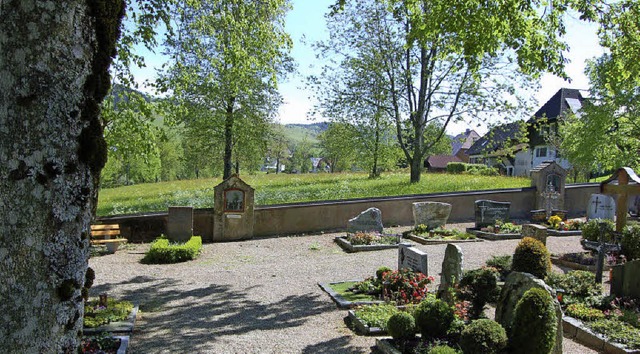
405, 286
555, 221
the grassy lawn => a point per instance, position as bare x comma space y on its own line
285, 188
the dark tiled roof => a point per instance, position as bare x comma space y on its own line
559, 103
496, 139
441, 161
463, 141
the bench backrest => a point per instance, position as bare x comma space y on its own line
105, 230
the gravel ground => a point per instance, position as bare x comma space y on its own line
262, 296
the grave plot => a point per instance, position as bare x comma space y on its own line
365, 233
430, 219
492, 221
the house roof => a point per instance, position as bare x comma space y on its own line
441, 161
498, 138
563, 100
463, 141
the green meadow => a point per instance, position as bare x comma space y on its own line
291, 188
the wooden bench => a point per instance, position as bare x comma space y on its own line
108, 235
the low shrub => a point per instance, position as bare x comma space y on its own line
401, 326
534, 323
591, 230
96, 315
376, 315
456, 167
483, 336
531, 256
584, 312
617, 331
443, 349
578, 286
630, 242
162, 252
501, 263
380, 272
434, 318
405, 286
479, 286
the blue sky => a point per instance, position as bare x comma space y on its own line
306, 21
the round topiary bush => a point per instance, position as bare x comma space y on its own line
434, 318
401, 326
631, 242
483, 336
443, 349
591, 230
531, 256
479, 286
534, 323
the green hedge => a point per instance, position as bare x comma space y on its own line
471, 169
162, 251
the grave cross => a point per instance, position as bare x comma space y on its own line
550, 195
623, 182
602, 248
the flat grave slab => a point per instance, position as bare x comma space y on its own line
436, 241
347, 246
493, 236
561, 233
555, 259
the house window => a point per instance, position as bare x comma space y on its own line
541, 152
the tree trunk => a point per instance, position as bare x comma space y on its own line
228, 140
416, 169
376, 148
54, 59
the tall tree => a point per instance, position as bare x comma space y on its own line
54, 61
441, 61
338, 146
225, 59
610, 118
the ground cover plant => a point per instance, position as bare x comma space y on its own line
97, 314
556, 223
290, 188
345, 290
441, 233
162, 251
500, 227
398, 286
371, 238
100, 344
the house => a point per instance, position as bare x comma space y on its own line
544, 124
502, 148
462, 142
438, 163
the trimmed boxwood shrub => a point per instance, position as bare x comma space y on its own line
483, 336
456, 167
401, 326
479, 286
434, 318
162, 252
631, 242
591, 230
534, 323
531, 256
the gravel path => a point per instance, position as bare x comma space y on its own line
262, 296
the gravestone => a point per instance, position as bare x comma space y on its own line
538, 232
180, 223
233, 210
488, 211
601, 207
431, 214
451, 270
368, 220
412, 258
515, 286
549, 178
625, 280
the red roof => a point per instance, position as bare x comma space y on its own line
441, 161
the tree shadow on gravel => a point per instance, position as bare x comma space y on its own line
193, 319
336, 345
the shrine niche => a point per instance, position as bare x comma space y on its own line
549, 178
233, 210
621, 185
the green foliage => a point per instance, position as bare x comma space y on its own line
405, 286
96, 315
443, 349
479, 286
401, 326
591, 230
483, 336
617, 331
162, 252
531, 256
584, 312
284, 188
501, 263
380, 272
376, 315
456, 167
371, 238
630, 242
534, 323
434, 318
578, 285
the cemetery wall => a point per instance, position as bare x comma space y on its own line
302, 218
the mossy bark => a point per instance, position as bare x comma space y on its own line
54, 57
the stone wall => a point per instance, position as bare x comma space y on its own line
299, 218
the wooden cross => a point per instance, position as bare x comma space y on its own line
628, 183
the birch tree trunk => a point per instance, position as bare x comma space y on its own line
54, 59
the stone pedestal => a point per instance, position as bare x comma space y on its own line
538, 232
233, 210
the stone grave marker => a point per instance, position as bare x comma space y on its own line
515, 286
601, 207
233, 210
536, 231
368, 220
180, 223
412, 258
488, 211
431, 214
452, 267
625, 280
